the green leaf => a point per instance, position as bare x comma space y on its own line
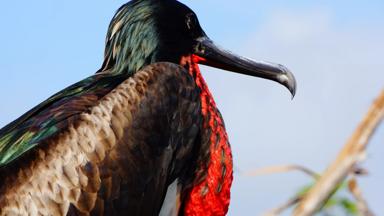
349, 206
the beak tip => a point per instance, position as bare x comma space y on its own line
292, 84
288, 80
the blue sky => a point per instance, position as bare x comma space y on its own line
335, 49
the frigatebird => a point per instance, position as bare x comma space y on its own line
142, 136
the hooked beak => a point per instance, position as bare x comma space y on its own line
207, 53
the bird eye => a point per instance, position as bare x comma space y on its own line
191, 21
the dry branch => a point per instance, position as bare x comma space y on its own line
352, 153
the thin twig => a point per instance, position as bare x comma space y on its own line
347, 159
278, 210
282, 169
358, 194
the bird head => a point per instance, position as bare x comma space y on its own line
147, 31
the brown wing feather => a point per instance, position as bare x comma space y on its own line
118, 158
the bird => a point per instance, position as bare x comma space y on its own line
141, 136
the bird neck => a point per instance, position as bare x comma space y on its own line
211, 195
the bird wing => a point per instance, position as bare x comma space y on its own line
53, 115
113, 150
